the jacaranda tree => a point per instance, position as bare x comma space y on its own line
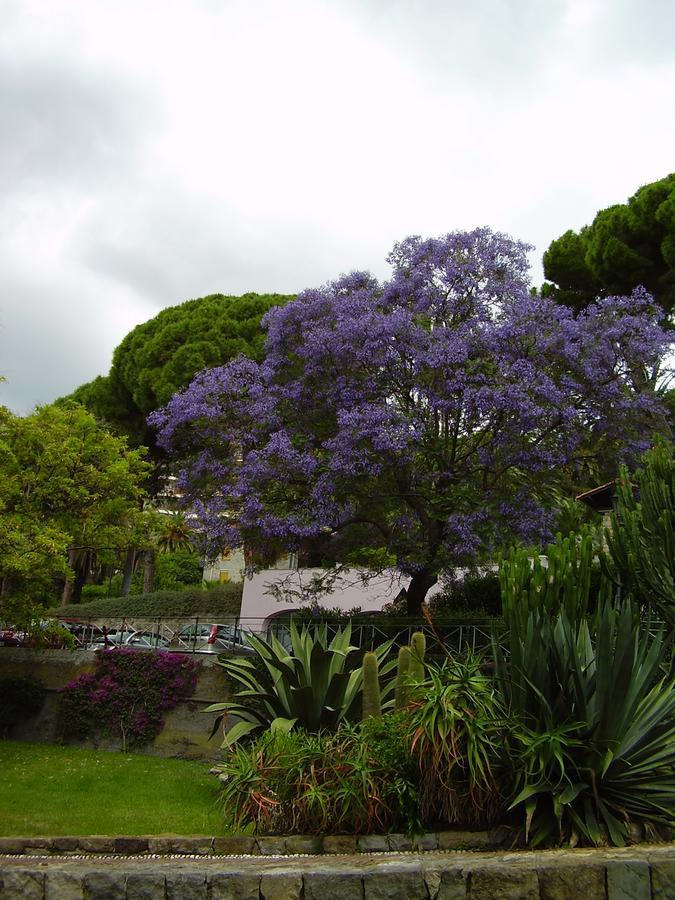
433, 409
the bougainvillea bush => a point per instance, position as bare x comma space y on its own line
431, 411
127, 696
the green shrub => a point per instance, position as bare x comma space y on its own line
217, 602
356, 780
474, 596
20, 699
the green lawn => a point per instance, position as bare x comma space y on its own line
54, 790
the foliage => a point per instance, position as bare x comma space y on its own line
560, 579
66, 485
641, 539
597, 742
52, 789
356, 780
457, 728
20, 698
160, 356
219, 601
127, 695
473, 595
316, 685
433, 410
627, 245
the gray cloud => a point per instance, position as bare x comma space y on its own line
151, 154
63, 125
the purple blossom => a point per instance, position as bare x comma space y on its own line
436, 406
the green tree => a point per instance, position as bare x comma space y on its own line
627, 245
68, 490
161, 356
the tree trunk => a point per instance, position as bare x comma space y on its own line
419, 586
69, 584
129, 566
148, 571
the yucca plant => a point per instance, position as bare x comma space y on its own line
316, 684
456, 727
597, 733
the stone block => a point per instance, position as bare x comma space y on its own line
104, 885
201, 846
663, 879
505, 882
146, 886
425, 842
24, 883
445, 884
160, 845
561, 880
281, 886
235, 845
463, 840
395, 881
299, 843
628, 879
339, 843
372, 843
12, 846
63, 885
399, 842
271, 846
97, 844
130, 845
186, 886
333, 885
234, 886
65, 844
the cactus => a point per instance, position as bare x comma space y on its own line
372, 703
418, 647
562, 583
402, 688
641, 540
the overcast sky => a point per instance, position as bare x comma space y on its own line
152, 151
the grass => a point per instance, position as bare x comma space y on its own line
55, 790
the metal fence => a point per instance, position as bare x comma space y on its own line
201, 634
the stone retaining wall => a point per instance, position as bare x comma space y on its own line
635, 873
186, 729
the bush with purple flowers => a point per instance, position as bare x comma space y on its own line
127, 695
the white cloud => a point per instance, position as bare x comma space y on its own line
160, 151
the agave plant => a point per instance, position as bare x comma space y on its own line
316, 684
597, 739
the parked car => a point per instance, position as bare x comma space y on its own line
10, 637
147, 640
204, 637
107, 639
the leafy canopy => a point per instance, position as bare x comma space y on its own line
66, 483
627, 245
160, 356
433, 408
